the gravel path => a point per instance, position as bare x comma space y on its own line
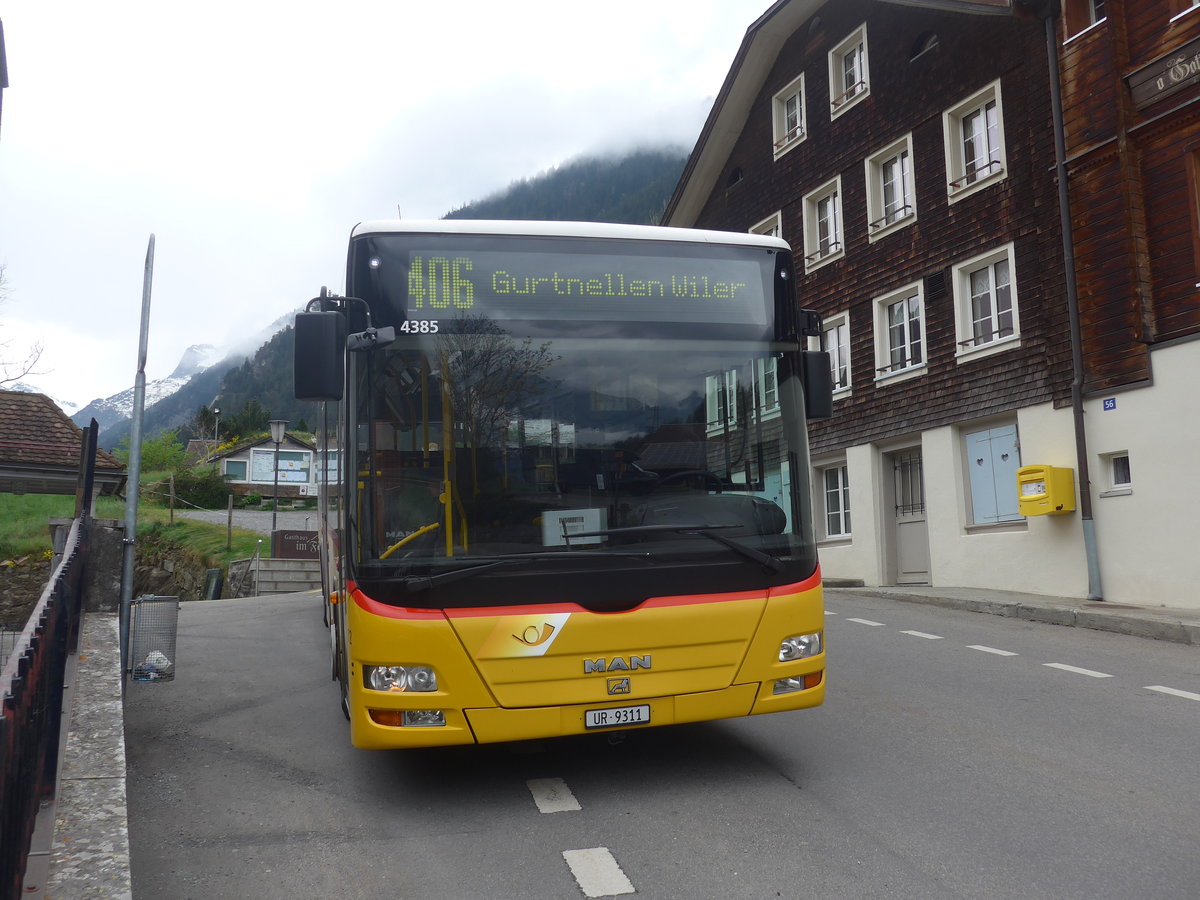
256, 519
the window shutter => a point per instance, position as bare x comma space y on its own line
993, 458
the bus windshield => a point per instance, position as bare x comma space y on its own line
567, 408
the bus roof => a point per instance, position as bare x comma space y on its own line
567, 229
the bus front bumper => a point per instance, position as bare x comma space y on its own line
381, 729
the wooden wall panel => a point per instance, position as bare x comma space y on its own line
910, 95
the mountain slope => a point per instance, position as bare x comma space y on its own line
110, 411
631, 189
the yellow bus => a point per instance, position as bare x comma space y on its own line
566, 479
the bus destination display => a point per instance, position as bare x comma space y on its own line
517, 285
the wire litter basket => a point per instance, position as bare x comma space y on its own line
152, 637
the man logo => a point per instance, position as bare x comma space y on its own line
533, 636
616, 664
619, 686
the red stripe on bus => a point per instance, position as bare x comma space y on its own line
402, 612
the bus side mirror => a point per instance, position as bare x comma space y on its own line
817, 379
319, 363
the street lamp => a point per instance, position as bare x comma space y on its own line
278, 430
217, 425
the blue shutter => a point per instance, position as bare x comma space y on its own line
993, 458
982, 477
1006, 459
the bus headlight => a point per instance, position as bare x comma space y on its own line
799, 683
800, 646
399, 679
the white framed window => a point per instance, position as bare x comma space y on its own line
986, 313
234, 469
772, 226
720, 395
1120, 475
835, 340
900, 333
1080, 15
974, 137
1117, 474
992, 457
788, 123
1184, 7
849, 74
891, 199
766, 388
823, 239
835, 500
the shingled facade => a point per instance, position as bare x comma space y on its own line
907, 155
1131, 95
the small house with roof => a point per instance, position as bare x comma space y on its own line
40, 449
249, 467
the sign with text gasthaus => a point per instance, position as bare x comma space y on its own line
290, 544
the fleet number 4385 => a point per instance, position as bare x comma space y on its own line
419, 326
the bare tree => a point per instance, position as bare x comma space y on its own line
492, 377
12, 370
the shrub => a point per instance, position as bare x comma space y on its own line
203, 486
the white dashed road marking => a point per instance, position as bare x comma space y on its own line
552, 795
1076, 670
864, 621
991, 650
1174, 692
597, 872
922, 634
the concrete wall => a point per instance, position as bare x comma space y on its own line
1147, 536
1146, 533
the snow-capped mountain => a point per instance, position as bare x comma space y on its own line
110, 410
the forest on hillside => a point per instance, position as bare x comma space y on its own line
631, 189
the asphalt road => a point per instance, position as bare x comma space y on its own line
958, 756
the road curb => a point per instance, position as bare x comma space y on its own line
1156, 624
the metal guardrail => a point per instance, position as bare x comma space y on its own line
30, 730
32, 681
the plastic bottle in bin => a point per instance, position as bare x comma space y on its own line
153, 667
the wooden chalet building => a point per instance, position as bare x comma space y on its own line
1131, 94
908, 157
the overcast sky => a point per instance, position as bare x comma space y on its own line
249, 137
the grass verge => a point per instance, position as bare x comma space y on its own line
24, 530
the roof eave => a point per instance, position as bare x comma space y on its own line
751, 65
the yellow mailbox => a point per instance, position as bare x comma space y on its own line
1045, 490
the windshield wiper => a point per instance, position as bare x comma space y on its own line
766, 560
417, 583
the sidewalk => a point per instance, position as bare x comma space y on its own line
1181, 626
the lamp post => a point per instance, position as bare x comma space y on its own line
278, 429
217, 425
